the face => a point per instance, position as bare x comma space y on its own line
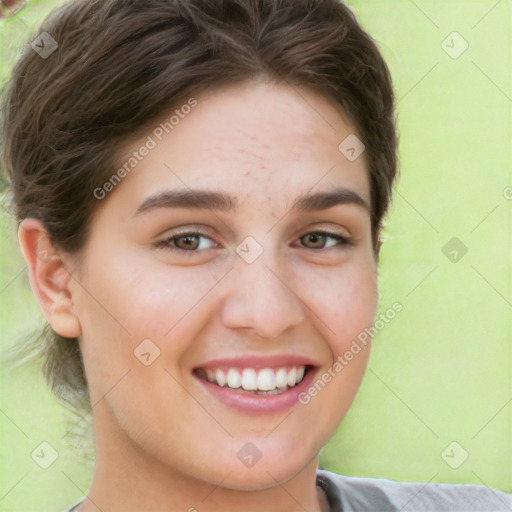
223, 277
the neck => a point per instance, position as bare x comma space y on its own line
128, 479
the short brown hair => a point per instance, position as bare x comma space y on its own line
120, 64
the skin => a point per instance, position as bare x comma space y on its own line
162, 441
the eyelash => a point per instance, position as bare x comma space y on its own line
343, 241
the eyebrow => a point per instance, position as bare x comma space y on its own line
219, 201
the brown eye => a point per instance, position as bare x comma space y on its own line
187, 242
320, 240
190, 242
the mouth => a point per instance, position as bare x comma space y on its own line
263, 381
257, 385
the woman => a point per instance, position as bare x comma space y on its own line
200, 187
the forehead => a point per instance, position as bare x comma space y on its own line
253, 140
263, 120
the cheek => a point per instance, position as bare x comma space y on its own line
345, 304
343, 301
142, 298
357, 303
131, 303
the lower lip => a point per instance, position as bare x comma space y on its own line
252, 403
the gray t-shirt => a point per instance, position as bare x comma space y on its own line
353, 494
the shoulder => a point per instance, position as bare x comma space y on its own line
370, 494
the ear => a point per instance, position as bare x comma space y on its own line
49, 278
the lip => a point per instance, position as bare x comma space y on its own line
257, 404
258, 362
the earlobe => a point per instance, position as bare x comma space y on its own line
49, 278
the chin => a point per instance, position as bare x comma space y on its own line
258, 480
275, 466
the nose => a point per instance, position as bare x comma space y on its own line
261, 298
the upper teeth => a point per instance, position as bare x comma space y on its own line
266, 379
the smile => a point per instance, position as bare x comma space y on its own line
264, 381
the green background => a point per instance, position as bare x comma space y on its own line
441, 371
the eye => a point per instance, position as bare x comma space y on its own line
188, 241
324, 240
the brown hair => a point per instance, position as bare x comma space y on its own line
121, 64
